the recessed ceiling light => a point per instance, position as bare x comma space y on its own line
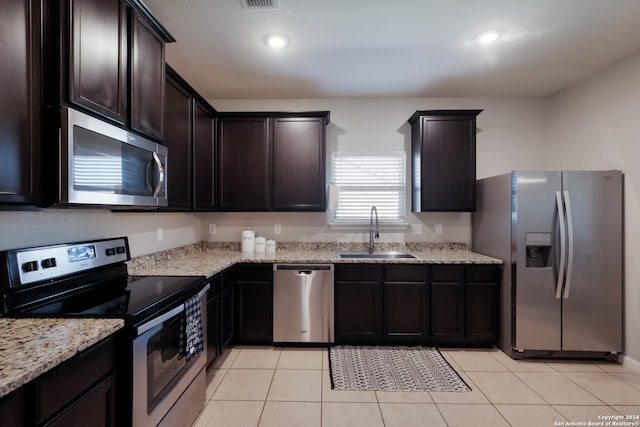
276, 41
487, 37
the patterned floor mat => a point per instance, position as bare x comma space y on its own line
396, 368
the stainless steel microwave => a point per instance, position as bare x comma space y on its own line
102, 164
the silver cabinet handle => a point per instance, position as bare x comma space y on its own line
562, 245
567, 205
160, 173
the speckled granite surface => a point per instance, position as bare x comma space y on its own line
208, 259
31, 347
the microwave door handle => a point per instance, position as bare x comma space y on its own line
161, 174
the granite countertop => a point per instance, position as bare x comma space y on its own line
31, 347
208, 259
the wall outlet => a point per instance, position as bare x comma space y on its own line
438, 229
416, 228
159, 234
212, 229
277, 229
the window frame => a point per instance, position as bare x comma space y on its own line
399, 187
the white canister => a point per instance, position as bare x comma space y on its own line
248, 240
271, 246
260, 244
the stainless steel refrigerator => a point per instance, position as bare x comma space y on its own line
560, 235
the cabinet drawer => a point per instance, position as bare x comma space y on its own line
447, 273
483, 273
405, 273
254, 272
60, 386
359, 272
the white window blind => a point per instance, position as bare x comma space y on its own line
362, 180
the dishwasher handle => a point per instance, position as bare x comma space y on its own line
304, 268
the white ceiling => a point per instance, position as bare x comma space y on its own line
395, 48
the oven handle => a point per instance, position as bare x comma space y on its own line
158, 320
168, 315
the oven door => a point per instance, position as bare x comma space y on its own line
161, 372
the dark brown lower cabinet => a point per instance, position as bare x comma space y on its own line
96, 408
447, 303
358, 303
483, 304
13, 409
227, 307
82, 388
80, 392
439, 304
406, 303
213, 321
254, 306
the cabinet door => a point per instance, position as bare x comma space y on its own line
253, 315
20, 126
447, 303
482, 304
64, 387
227, 307
96, 408
243, 164
204, 159
299, 164
98, 59
213, 320
13, 408
406, 303
444, 151
358, 304
178, 138
147, 78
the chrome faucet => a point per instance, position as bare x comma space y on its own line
373, 230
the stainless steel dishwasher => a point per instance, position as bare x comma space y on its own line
303, 303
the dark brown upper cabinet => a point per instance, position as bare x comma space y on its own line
444, 160
106, 57
98, 57
147, 77
178, 117
299, 163
272, 161
204, 165
189, 134
20, 120
244, 163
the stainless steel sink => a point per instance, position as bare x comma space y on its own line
375, 255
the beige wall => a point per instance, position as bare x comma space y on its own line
25, 229
594, 125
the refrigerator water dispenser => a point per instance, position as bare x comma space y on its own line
538, 250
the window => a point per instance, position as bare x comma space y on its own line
362, 180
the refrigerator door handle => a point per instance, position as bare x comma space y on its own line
562, 244
567, 205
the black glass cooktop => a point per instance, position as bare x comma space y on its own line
133, 298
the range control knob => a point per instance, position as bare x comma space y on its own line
111, 251
121, 249
30, 266
48, 263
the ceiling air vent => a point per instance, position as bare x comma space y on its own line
260, 4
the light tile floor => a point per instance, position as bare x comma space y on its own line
291, 387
